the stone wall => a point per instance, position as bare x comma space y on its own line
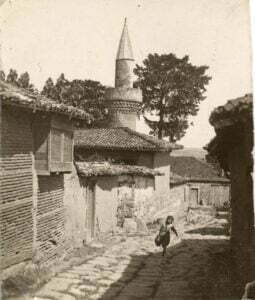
75, 209
178, 204
145, 204
109, 191
76, 205
161, 163
106, 203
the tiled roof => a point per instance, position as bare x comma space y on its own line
121, 138
89, 169
177, 179
190, 168
18, 97
239, 109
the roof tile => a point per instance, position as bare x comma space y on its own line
191, 168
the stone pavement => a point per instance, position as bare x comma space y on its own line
135, 270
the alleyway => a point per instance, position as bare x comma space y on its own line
194, 268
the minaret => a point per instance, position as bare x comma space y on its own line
124, 101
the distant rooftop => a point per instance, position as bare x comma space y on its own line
189, 168
198, 153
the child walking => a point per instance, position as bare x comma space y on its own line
164, 233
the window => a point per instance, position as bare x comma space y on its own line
53, 140
194, 196
61, 150
41, 144
68, 146
56, 145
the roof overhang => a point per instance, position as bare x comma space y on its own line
17, 97
94, 169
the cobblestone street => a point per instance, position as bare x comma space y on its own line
135, 269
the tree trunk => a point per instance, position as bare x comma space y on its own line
161, 120
171, 138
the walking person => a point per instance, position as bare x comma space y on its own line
164, 233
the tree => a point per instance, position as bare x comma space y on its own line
2, 75
22, 81
48, 89
12, 77
172, 89
84, 94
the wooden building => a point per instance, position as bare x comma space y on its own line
36, 151
198, 182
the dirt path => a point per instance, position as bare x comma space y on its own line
195, 268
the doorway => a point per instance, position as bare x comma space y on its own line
193, 196
90, 212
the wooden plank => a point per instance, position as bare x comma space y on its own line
50, 213
15, 203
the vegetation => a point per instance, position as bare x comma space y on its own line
84, 94
172, 89
22, 81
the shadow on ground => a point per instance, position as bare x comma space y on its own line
209, 231
192, 269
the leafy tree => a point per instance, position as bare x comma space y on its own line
48, 89
22, 81
12, 77
2, 75
172, 89
84, 94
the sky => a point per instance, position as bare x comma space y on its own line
80, 39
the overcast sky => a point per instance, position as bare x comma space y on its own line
80, 39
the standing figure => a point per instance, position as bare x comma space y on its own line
164, 233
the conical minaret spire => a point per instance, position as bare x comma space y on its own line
125, 48
124, 60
